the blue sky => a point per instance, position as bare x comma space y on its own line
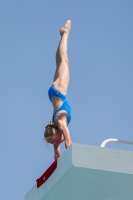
100, 90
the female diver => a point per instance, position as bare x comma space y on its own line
57, 131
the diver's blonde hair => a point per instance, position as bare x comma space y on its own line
50, 132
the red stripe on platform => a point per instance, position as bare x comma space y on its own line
47, 174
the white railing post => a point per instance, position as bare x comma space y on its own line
115, 140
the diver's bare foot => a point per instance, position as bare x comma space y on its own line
66, 28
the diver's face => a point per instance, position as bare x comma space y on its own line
57, 139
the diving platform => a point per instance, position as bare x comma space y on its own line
88, 173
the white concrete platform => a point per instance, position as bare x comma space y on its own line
88, 173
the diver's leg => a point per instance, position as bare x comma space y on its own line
61, 77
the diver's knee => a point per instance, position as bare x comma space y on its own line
64, 59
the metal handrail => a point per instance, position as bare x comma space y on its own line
115, 140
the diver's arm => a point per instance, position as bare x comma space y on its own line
62, 126
56, 150
67, 137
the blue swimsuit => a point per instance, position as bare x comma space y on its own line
53, 92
